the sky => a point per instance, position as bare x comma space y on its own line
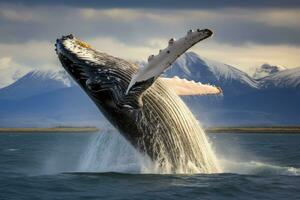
247, 33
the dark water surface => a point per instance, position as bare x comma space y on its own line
47, 166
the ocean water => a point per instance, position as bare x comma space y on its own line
104, 166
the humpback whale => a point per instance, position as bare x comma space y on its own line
145, 107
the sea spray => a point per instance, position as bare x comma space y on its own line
108, 151
258, 168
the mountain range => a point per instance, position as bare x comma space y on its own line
246, 101
271, 97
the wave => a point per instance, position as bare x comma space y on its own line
110, 152
12, 149
258, 168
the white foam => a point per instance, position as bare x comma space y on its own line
110, 152
258, 168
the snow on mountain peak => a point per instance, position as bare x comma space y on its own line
266, 70
60, 76
283, 79
198, 68
36, 82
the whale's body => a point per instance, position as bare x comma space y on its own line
155, 121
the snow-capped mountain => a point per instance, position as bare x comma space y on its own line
266, 70
193, 67
36, 82
52, 98
68, 106
289, 78
245, 100
10, 75
46, 98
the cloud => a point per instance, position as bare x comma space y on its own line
166, 4
18, 59
278, 17
13, 15
31, 54
10, 71
243, 37
246, 57
4, 62
122, 50
234, 26
249, 56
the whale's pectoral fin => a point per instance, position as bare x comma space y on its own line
184, 87
159, 63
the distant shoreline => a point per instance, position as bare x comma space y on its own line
49, 130
267, 130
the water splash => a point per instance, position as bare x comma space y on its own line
108, 151
258, 168
169, 134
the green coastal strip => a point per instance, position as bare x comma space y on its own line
54, 129
294, 129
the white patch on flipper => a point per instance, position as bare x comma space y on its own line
184, 87
159, 63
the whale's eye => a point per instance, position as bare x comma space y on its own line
83, 44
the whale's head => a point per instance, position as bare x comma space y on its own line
82, 61
77, 57
99, 74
